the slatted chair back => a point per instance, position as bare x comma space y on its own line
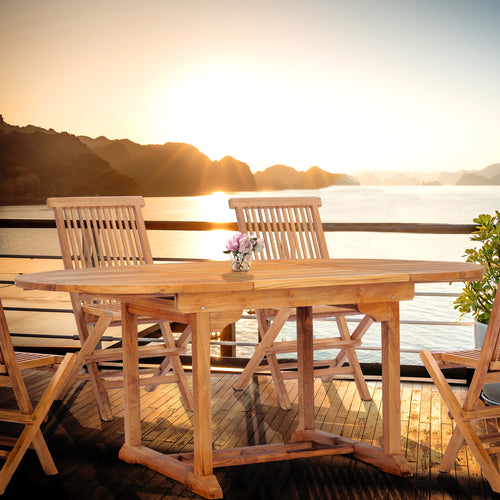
290, 227
101, 231
11, 363
472, 417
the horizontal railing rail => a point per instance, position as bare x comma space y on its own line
160, 225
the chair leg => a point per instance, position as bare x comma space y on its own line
185, 337
451, 402
32, 433
451, 452
175, 362
483, 458
268, 337
89, 341
358, 333
43, 453
352, 357
279, 383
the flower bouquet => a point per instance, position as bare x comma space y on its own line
241, 246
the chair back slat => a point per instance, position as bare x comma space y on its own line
290, 227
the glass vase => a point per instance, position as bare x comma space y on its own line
241, 261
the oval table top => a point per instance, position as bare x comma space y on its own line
214, 276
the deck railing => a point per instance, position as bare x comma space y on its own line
228, 342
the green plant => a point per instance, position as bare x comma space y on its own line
477, 296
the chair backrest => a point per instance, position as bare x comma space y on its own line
101, 231
290, 227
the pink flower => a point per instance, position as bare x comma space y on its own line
246, 245
242, 244
234, 243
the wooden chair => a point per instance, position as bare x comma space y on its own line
11, 363
291, 229
110, 231
482, 436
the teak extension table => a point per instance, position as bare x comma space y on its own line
212, 295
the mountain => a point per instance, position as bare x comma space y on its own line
38, 164
280, 177
474, 179
173, 169
492, 171
487, 176
29, 129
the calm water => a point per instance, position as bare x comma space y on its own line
422, 204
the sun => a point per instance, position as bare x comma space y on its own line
224, 113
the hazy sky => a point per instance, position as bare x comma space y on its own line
345, 85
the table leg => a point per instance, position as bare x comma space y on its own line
202, 416
305, 368
391, 399
205, 482
196, 473
131, 387
389, 458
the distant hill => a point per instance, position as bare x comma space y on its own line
473, 179
284, 177
36, 165
492, 171
487, 176
29, 129
173, 169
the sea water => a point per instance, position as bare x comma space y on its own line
356, 204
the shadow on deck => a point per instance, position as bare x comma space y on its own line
85, 449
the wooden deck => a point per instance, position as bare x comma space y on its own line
85, 449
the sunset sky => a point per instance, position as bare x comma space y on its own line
346, 85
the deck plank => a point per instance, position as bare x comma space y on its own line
85, 449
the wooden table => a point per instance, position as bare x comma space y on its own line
211, 294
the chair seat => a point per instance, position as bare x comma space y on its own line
468, 358
33, 360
